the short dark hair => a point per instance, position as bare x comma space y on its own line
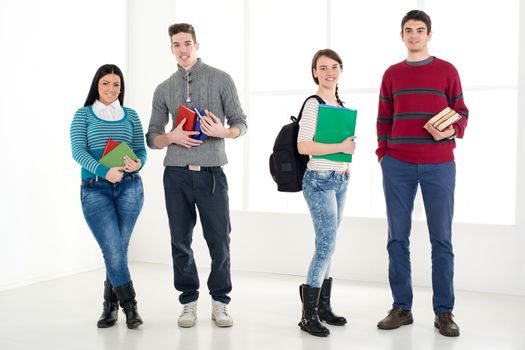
182, 28
101, 72
417, 15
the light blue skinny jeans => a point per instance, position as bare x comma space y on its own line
325, 194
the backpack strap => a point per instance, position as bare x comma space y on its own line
317, 97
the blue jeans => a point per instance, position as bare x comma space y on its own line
111, 211
437, 182
206, 190
325, 194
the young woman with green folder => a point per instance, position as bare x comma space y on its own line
111, 198
324, 189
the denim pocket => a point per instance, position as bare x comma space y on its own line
220, 178
320, 180
136, 185
324, 175
86, 189
141, 187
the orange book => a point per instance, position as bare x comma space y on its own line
190, 115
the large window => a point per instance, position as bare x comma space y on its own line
267, 47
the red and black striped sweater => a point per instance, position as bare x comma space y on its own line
411, 93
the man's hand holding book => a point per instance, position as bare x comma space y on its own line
440, 125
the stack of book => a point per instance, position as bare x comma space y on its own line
443, 119
114, 152
193, 120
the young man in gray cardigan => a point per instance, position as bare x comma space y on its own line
193, 175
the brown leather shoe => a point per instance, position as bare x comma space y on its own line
446, 325
396, 318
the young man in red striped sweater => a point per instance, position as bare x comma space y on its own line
411, 153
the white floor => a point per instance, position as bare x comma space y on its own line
62, 314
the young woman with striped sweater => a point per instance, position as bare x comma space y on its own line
111, 198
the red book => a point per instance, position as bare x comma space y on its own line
190, 115
109, 146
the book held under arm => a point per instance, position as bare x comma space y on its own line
443, 119
334, 125
116, 156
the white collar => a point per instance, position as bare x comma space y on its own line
100, 106
114, 111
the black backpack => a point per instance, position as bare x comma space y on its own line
287, 166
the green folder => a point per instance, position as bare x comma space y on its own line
116, 156
334, 125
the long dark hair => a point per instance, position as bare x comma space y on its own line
102, 71
330, 54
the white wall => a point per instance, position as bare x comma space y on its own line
519, 229
488, 257
50, 52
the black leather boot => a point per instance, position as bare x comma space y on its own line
110, 312
325, 309
126, 296
310, 321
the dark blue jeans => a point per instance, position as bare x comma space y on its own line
206, 190
111, 211
437, 182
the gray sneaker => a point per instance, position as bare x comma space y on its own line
219, 314
188, 315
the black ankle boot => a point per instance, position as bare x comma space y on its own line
325, 309
110, 312
126, 296
310, 321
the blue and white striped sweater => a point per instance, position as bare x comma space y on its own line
89, 135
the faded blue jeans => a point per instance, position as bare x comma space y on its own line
325, 194
111, 211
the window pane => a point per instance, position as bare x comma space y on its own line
365, 191
220, 33
284, 35
278, 67
475, 42
486, 159
366, 35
